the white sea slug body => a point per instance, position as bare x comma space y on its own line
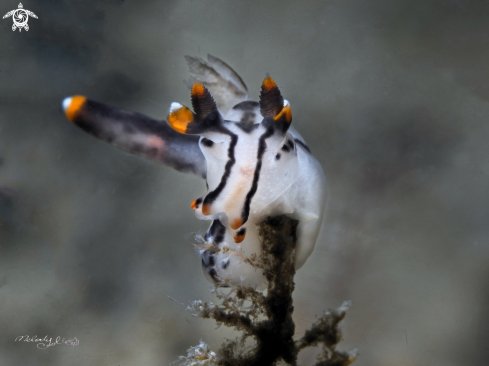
255, 163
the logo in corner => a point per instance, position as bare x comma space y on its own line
20, 17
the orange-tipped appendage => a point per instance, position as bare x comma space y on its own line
75, 106
239, 238
198, 89
237, 223
269, 84
286, 113
195, 203
180, 118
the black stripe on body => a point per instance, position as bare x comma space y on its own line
208, 258
241, 231
208, 268
216, 232
262, 146
303, 145
211, 196
198, 201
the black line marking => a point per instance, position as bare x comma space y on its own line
198, 201
212, 261
217, 231
208, 258
286, 148
262, 146
211, 196
291, 144
303, 145
208, 263
241, 231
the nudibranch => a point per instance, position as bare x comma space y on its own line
254, 162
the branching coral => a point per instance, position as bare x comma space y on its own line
267, 318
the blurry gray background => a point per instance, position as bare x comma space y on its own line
392, 96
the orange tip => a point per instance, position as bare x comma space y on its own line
180, 117
72, 106
239, 237
269, 84
198, 89
285, 112
195, 203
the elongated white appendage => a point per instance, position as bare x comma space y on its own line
136, 133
